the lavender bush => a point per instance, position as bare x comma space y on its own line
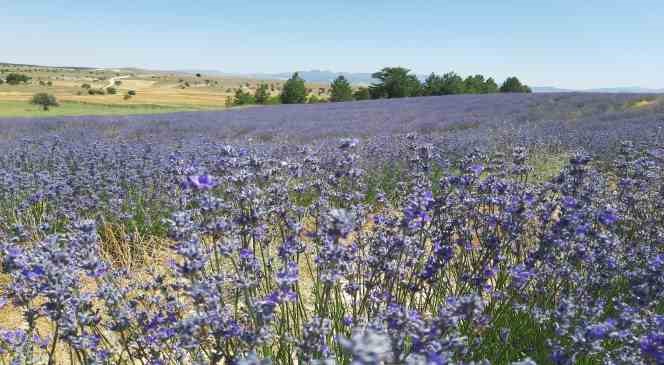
413, 231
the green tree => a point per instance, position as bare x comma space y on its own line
433, 85
294, 91
452, 84
118, 82
262, 94
394, 82
44, 100
340, 90
243, 98
131, 93
474, 85
15, 79
111, 90
362, 94
490, 86
514, 85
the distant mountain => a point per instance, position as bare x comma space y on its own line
550, 89
319, 76
313, 76
612, 90
9, 64
628, 89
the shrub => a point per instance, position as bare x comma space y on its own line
44, 100
274, 100
131, 93
262, 94
111, 90
118, 82
314, 99
294, 91
243, 98
15, 79
49, 83
85, 86
96, 91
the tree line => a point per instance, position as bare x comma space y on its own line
392, 82
399, 82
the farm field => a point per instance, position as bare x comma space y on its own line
504, 228
154, 90
69, 108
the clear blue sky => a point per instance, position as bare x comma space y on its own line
565, 43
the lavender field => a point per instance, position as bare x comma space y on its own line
467, 229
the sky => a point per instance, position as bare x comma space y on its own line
563, 43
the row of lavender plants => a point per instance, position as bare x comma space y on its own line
154, 253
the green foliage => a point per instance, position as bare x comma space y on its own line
433, 85
452, 84
49, 83
96, 91
262, 94
85, 86
314, 99
514, 85
44, 100
340, 90
490, 86
118, 82
2, 81
111, 90
274, 100
474, 85
362, 94
15, 79
294, 91
395, 82
131, 93
243, 98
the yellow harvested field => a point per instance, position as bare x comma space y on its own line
178, 91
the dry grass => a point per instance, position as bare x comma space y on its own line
153, 88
